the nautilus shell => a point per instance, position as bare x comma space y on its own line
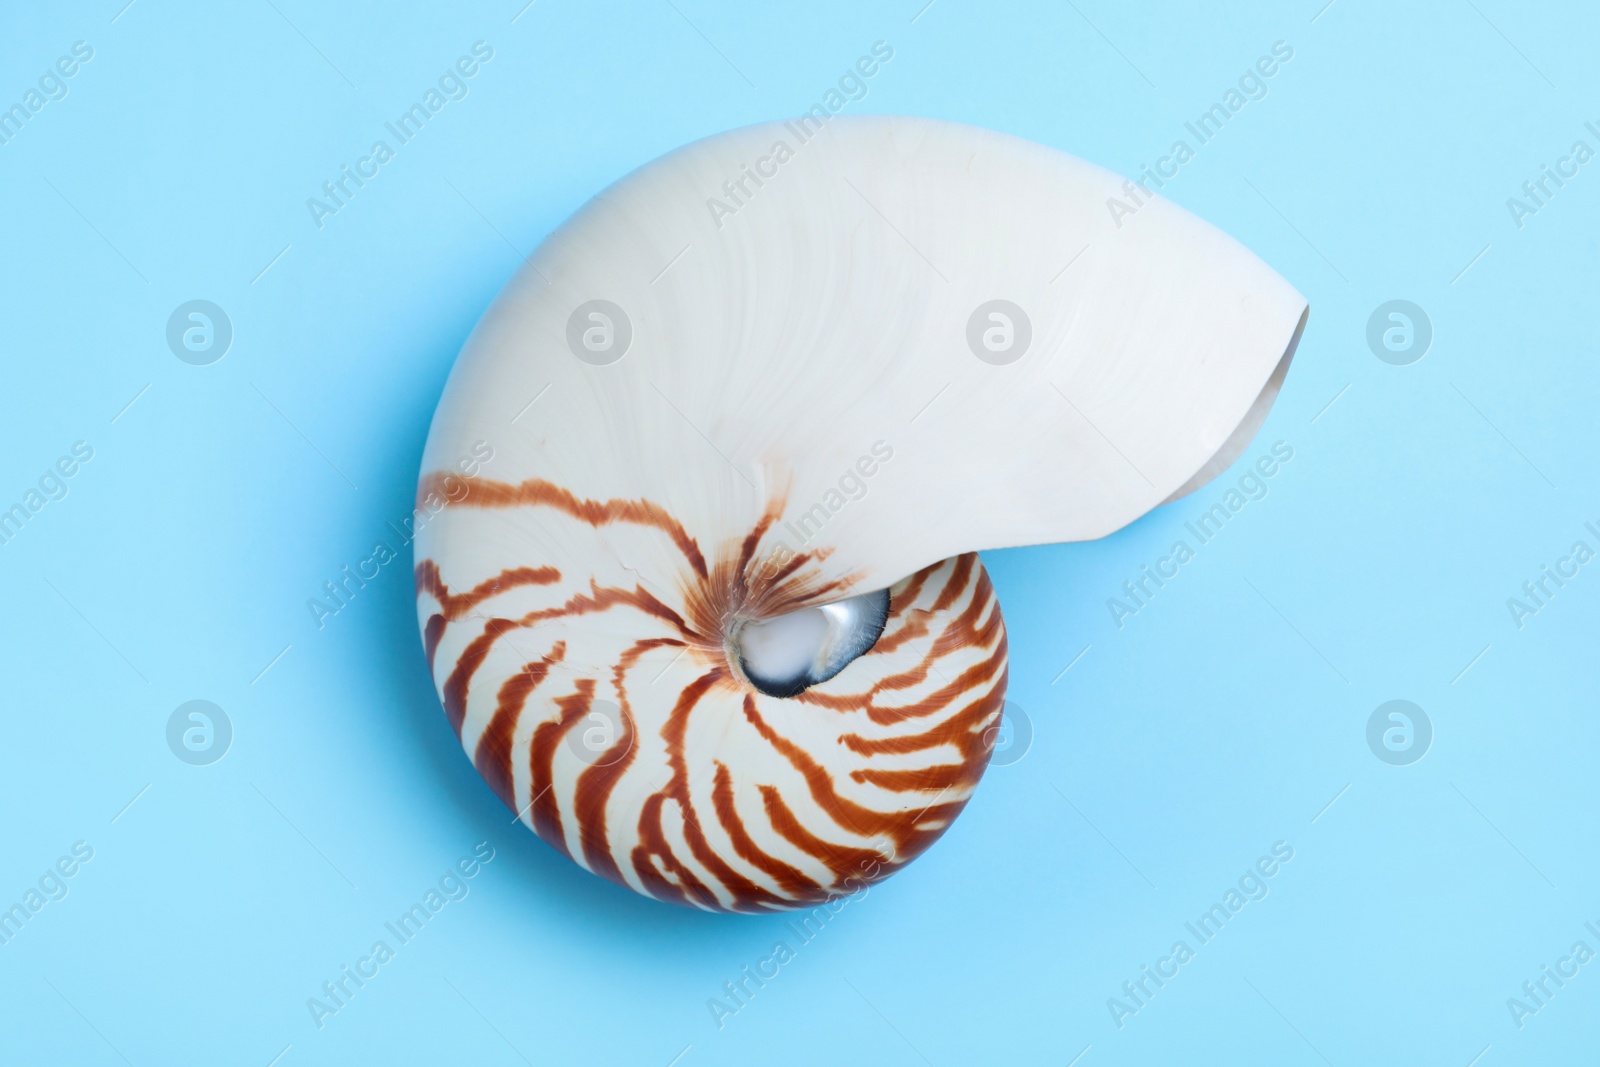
698, 582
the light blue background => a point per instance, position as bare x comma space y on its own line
1222, 718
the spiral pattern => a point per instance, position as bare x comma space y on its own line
705, 792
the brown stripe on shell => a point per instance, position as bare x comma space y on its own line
905, 627
651, 836
957, 583
837, 857
483, 493
973, 716
905, 829
652, 850
544, 812
912, 781
456, 686
455, 605
945, 615
744, 892
796, 884
493, 754
596, 784
471, 658
430, 638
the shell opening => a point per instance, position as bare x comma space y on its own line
785, 655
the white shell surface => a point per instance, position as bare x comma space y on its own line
788, 401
